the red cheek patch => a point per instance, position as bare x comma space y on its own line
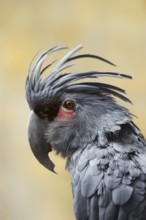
64, 114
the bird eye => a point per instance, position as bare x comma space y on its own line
69, 104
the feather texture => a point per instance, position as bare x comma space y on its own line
105, 150
102, 183
38, 90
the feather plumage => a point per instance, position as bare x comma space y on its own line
105, 150
56, 80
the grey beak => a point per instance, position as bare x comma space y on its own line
39, 146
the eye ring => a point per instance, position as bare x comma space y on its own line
69, 104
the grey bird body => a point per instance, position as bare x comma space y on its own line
105, 151
109, 182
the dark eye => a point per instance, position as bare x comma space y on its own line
69, 104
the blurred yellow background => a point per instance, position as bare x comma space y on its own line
113, 29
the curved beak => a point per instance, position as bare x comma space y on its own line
39, 146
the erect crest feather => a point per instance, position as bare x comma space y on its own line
38, 89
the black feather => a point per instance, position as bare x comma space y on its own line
91, 56
81, 75
58, 80
81, 88
104, 85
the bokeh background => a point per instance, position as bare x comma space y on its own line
113, 29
